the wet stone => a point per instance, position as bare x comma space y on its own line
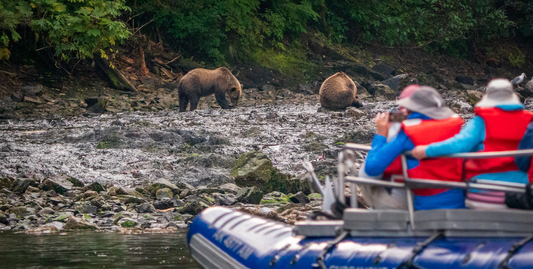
225, 199
192, 208
164, 193
146, 208
95, 186
21, 184
164, 203
250, 195
58, 184
4, 219
299, 198
6, 183
46, 211
229, 188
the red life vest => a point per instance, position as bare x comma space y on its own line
503, 131
425, 132
394, 169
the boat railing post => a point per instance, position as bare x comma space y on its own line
340, 179
410, 206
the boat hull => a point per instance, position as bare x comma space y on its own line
224, 238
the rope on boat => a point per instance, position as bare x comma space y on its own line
512, 251
331, 244
409, 262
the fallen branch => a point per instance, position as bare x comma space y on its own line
12, 74
173, 59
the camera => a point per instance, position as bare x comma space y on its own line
396, 115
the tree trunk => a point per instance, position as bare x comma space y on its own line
112, 75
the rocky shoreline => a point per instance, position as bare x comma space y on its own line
131, 163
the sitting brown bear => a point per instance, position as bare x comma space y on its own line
338, 91
201, 82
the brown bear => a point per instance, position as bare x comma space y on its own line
338, 91
201, 82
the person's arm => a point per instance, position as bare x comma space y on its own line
383, 154
526, 143
469, 139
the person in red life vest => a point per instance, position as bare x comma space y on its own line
429, 121
525, 164
382, 198
499, 125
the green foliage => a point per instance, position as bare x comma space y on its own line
422, 22
221, 29
517, 58
72, 28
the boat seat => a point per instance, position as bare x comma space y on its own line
317, 228
375, 220
507, 221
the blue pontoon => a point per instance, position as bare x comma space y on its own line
221, 237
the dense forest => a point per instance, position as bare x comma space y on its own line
224, 31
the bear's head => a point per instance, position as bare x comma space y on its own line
235, 93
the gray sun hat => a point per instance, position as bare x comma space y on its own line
499, 92
427, 101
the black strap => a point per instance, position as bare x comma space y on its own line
315, 214
408, 263
513, 250
331, 244
529, 196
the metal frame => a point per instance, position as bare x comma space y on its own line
416, 183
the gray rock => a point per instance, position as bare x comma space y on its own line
299, 198
250, 195
309, 89
59, 184
6, 183
395, 83
21, 184
46, 211
384, 69
88, 209
164, 203
225, 199
32, 90
163, 183
146, 208
192, 208
383, 92
177, 202
17, 97
95, 186
353, 112
164, 193
229, 188
74, 223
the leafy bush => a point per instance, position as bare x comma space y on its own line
218, 29
72, 28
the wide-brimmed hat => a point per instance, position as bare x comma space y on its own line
499, 92
427, 101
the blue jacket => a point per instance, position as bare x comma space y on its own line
526, 143
471, 139
383, 154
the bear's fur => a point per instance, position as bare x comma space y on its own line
201, 82
338, 91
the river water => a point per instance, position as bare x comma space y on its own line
95, 250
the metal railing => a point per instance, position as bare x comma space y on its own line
417, 183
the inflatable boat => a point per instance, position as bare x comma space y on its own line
359, 238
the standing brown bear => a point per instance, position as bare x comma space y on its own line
338, 91
201, 82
